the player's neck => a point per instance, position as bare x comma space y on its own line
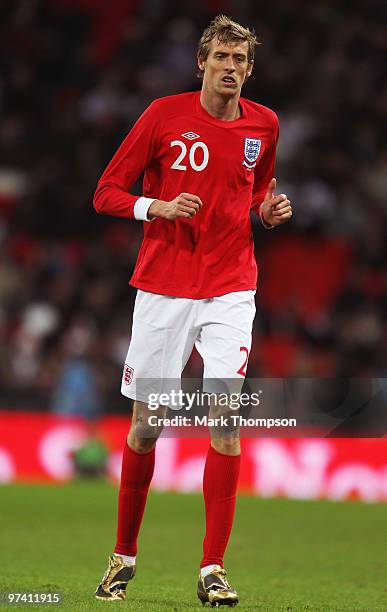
225, 109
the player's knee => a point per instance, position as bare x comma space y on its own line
142, 436
227, 445
140, 445
144, 430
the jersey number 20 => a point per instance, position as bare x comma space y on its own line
177, 165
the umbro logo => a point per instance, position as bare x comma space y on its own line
190, 135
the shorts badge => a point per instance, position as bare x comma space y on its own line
128, 374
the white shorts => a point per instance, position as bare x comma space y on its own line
165, 330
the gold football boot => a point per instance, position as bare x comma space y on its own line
215, 589
115, 579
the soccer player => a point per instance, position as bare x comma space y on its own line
208, 158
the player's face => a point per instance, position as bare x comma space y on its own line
226, 67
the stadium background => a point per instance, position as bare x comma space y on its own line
75, 76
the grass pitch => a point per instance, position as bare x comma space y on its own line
283, 555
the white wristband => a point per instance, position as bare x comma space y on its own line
141, 208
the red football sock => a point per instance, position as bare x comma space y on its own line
220, 481
136, 476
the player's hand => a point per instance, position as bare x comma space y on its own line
275, 210
184, 205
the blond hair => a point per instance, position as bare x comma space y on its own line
226, 31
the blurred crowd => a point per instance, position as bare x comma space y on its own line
75, 75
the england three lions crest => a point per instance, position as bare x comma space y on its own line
252, 149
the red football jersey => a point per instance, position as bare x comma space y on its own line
228, 164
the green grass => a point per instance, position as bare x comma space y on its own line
283, 555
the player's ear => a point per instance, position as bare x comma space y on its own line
201, 63
250, 69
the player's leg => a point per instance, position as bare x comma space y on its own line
224, 344
137, 471
220, 479
136, 474
161, 340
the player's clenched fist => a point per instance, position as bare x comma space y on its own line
275, 209
184, 205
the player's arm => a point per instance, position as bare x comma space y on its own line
112, 195
272, 209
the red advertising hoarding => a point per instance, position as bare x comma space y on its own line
39, 447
